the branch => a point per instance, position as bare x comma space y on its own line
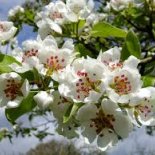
147, 60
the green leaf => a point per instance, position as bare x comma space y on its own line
104, 29
81, 24
131, 46
29, 75
5, 61
82, 50
26, 106
36, 74
71, 111
148, 81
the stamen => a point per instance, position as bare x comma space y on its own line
12, 89
101, 122
121, 85
29, 54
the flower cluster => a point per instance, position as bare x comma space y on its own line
57, 14
103, 97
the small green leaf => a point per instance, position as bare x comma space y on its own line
26, 106
148, 81
28, 75
82, 50
36, 74
5, 61
81, 24
71, 111
131, 46
104, 29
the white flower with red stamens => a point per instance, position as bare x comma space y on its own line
56, 59
142, 107
122, 84
82, 81
28, 56
55, 15
13, 89
44, 99
111, 60
7, 30
59, 108
105, 123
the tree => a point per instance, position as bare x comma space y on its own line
91, 66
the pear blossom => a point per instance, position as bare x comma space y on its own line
112, 61
122, 84
44, 29
120, 4
55, 15
56, 59
82, 81
13, 89
44, 99
94, 18
103, 123
27, 56
15, 10
142, 107
7, 30
111, 58
82, 8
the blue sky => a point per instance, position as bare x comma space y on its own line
5, 6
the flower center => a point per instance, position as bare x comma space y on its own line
144, 109
112, 65
62, 100
12, 89
102, 121
121, 85
54, 63
84, 85
29, 54
56, 15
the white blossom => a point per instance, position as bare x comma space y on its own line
111, 60
7, 30
82, 81
27, 56
15, 10
13, 89
120, 4
122, 84
105, 123
142, 107
82, 8
54, 15
55, 59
